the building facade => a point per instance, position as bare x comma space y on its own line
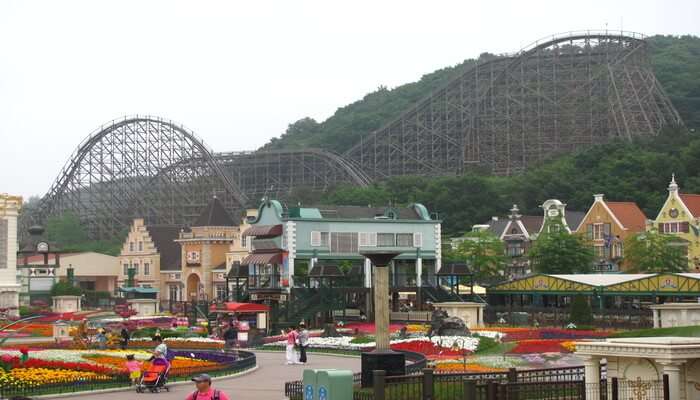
607, 225
9, 286
680, 217
152, 253
291, 247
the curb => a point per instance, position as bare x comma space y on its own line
131, 388
318, 353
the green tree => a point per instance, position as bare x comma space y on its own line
561, 253
70, 236
653, 252
581, 313
483, 252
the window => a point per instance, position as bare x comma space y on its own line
324, 239
140, 246
131, 246
315, 238
597, 231
193, 257
368, 238
674, 227
417, 239
344, 242
174, 292
136, 268
146, 269
599, 251
126, 269
404, 239
386, 240
553, 228
243, 240
221, 292
515, 249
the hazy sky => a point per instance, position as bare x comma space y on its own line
237, 73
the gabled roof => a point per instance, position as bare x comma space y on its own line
692, 201
532, 223
214, 215
163, 237
601, 279
574, 218
629, 215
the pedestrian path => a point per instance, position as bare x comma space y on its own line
266, 383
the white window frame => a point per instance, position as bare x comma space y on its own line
598, 228
417, 239
367, 239
146, 268
315, 238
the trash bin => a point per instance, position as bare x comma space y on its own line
309, 384
334, 385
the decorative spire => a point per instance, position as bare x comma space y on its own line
514, 212
673, 187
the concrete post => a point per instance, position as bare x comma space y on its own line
368, 273
378, 383
591, 366
684, 317
381, 307
673, 370
419, 272
655, 314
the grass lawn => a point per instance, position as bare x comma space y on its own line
687, 331
498, 349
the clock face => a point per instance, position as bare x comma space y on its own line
673, 213
42, 247
553, 212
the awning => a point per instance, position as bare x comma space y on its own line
263, 230
240, 308
141, 290
454, 270
263, 258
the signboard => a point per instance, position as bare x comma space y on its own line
40, 284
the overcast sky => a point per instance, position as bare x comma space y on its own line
237, 73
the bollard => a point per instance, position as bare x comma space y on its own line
492, 391
614, 389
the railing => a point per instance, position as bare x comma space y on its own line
266, 281
628, 318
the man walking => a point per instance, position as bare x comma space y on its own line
205, 391
303, 342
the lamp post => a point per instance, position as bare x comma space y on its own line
382, 358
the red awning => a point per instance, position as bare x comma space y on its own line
263, 258
263, 230
241, 308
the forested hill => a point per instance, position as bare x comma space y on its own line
676, 61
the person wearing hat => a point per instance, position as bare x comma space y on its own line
205, 391
303, 342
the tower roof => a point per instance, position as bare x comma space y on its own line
214, 215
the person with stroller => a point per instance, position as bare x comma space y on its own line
161, 350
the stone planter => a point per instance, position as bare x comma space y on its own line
144, 307
64, 304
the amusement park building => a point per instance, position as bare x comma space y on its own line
680, 217
292, 247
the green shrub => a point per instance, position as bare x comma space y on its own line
581, 313
485, 344
65, 289
362, 340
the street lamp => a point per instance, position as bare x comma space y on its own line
382, 358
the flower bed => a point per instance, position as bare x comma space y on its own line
518, 334
539, 346
181, 343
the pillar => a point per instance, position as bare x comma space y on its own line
657, 323
419, 272
381, 307
368, 273
9, 288
591, 366
673, 370
684, 318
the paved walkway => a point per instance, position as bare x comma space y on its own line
267, 383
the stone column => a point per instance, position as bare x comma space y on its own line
381, 307
684, 318
591, 366
655, 314
673, 370
419, 272
368, 273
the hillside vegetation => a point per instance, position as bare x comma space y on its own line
676, 61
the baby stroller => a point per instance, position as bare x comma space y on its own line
155, 377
